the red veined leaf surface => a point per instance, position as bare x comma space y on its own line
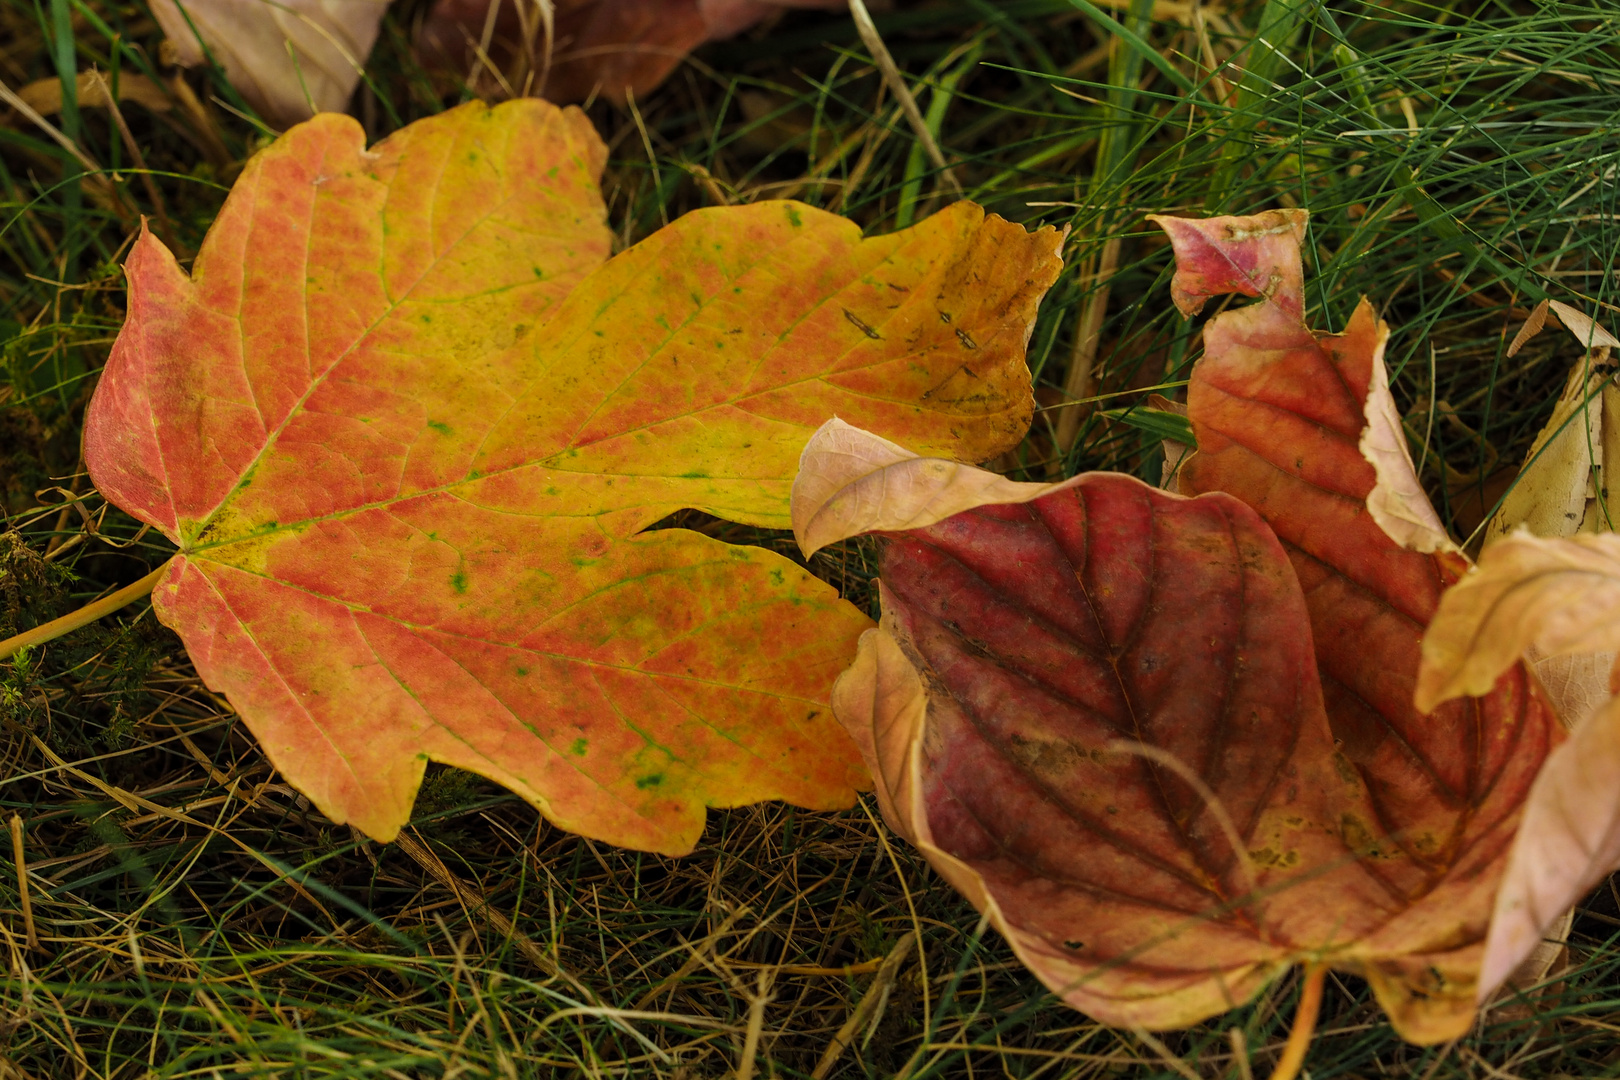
1097, 714
407, 427
1279, 412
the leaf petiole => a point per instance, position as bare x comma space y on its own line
1299, 1039
84, 616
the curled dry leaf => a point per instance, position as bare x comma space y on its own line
851, 481
92, 90
1559, 596
1568, 842
1280, 412
289, 58
1564, 487
1097, 714
1397, 501
407, 427
1586, 330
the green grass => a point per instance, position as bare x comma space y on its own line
199, 918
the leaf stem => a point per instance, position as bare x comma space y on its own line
84, 616
1299, 1039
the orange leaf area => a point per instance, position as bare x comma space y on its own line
1169, 744
407, 424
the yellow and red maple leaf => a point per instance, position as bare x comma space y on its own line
408, 426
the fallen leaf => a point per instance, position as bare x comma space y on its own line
1551, 599
406, 428
601, 47
1556, 493
1586, 331
1098, 716
1568, 842
1532, 326
1279, 412
1567, 487
1558, 596
851, 481
1397, 501
288, 58
44, 96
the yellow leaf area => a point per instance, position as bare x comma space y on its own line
407, 423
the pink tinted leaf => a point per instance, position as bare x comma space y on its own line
1253, 256
1568, 841
289, 58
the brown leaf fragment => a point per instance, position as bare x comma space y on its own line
1564, 487
1175, 452
1532, 326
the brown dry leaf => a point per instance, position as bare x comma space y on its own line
289, 58
1567, 487
600, 47
1586, 331
1532, 326
1176, 453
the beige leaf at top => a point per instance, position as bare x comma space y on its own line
851, 482
1397, 501
1586, 331
1568, 840
1561, 596
289, 58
